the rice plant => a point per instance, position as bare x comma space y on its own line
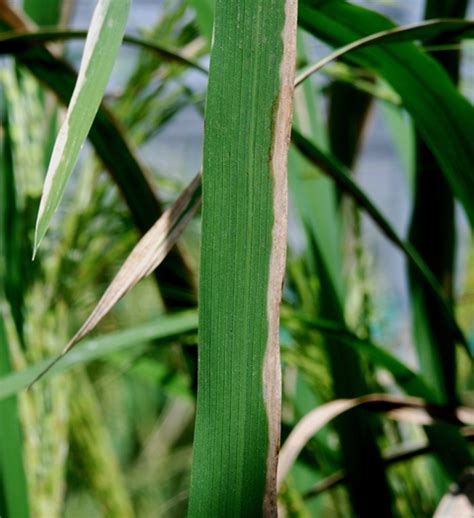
250, 331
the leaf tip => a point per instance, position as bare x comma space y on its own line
45, 371
40, 232
35, 250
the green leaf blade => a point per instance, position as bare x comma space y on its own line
14, 498
163, 329
13, 485
425, 88
117, 155
101, 48
434, 215
43, 12
242, 258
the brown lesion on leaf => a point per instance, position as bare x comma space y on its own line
278, 154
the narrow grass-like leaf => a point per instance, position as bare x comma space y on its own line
247, 127
412, 383
13, 488
162, 329
434, 215
336, 170
357, 433
102, 44
15, 267
14, 498
431, 29
15, 42
315, 200
150, 251
424, 87
118, 157
439, 436
412, 410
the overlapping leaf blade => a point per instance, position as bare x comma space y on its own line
16, 42
428, 30
14, 498
116, 153
336, 170
146, 256
164, 329
426, 90
410, 409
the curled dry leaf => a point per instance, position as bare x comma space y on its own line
408, 409
143, 260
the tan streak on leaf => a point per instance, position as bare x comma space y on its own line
143, 260
278, 164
